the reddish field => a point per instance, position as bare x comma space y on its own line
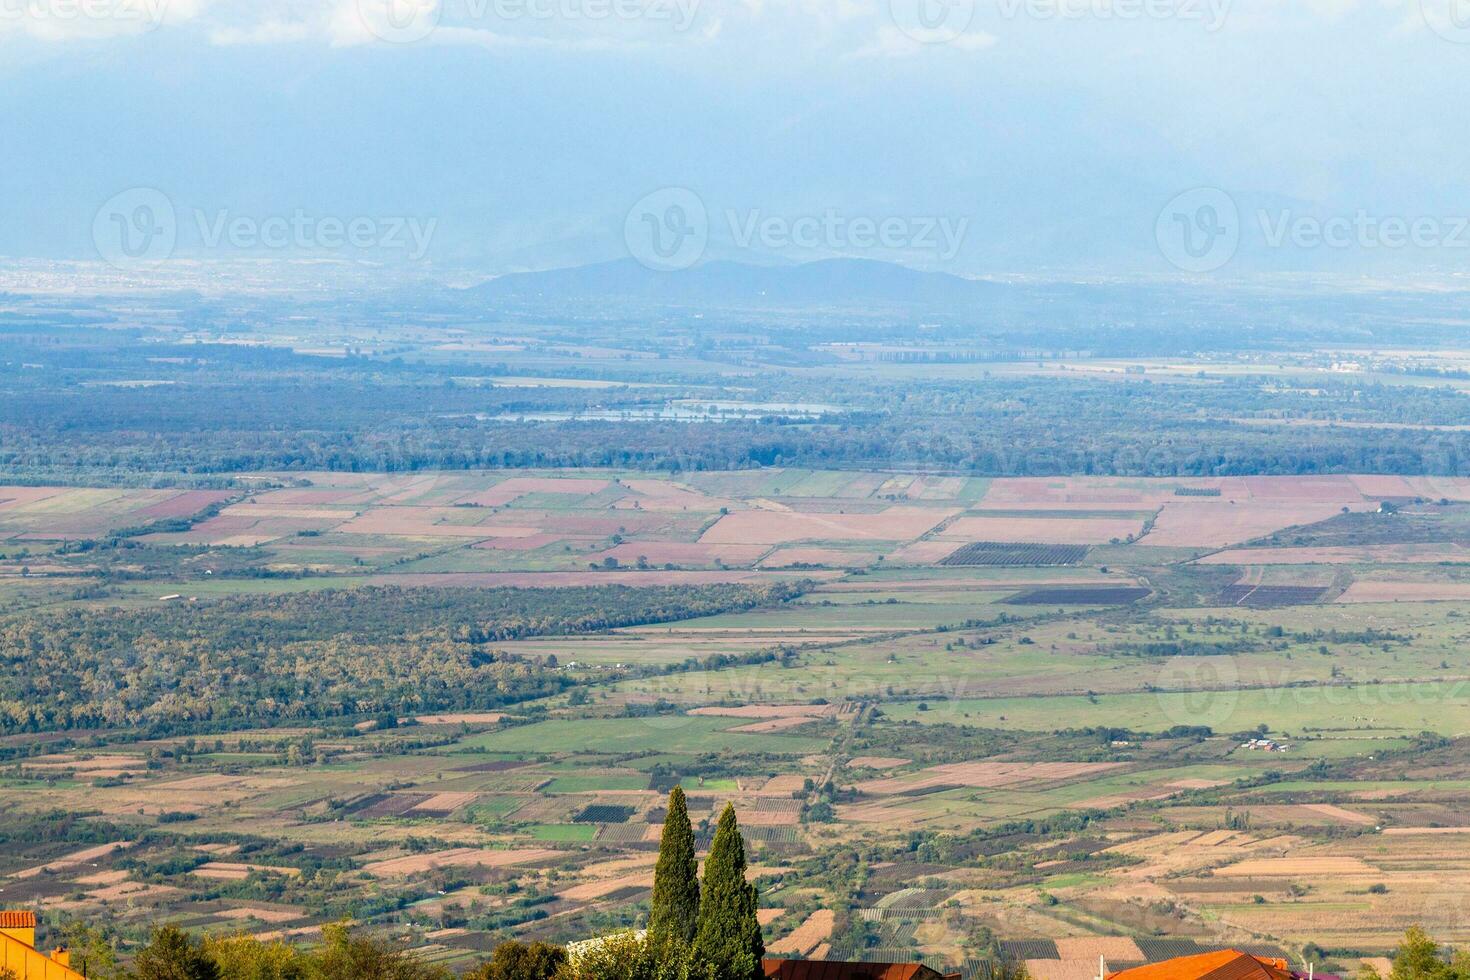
1406, 592
310, 497
661, 496
781, 527
623, 522
923, 552
428, 522
516, 487
683, 553
187, 503
19, 496
1306, 489
592, 890
807, 936
786, 557
1045, 530
1073, 493
1211, 522
1387, 554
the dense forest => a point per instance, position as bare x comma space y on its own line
326, 654
182, 388
213, 419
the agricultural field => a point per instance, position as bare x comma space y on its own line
1080, 716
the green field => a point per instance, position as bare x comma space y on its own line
630, 735
1441, 708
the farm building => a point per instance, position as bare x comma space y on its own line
779, 969
18, 953
1225, 964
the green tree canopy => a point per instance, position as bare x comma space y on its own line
675, 913
729, 934
346, 955
172, 955
520, 961
1418, 957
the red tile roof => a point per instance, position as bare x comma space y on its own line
17, 920
1226, 964
778, 969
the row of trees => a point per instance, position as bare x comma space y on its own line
707, 929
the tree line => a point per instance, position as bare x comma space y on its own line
319, 655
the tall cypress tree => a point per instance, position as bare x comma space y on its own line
675, 914
729, 934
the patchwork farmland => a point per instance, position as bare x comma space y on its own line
1094, 711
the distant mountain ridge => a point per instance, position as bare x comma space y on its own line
828, 282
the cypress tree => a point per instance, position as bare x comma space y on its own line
729, 934
675, 913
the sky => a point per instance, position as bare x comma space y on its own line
1191, 138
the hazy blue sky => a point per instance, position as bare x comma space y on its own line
1000, 136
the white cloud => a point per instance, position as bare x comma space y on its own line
265, 32
890, 42
90, 20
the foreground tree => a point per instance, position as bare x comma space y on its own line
729, 934
626, 956
172, 955
243, 957
1418, 958
92, 952
675, 913
518, 961
345, 955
